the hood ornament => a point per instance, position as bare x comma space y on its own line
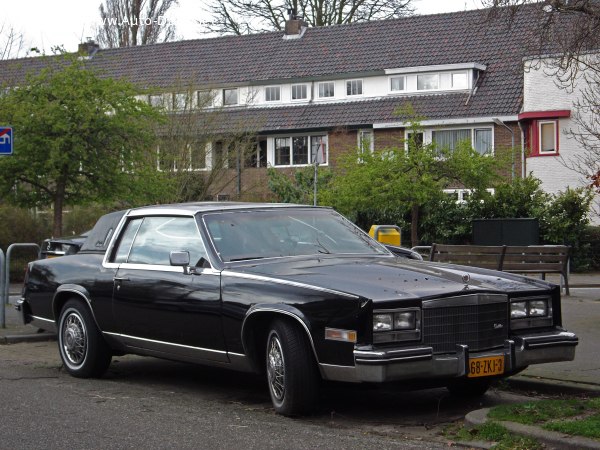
466, 278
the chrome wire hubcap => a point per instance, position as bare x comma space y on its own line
275, 368
74, 339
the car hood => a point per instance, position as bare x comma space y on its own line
386, 278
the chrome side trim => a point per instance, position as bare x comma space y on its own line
42, 319
153, 341
228, 272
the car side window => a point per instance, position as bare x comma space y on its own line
126, 240
157, 237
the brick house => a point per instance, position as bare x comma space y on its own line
319, 92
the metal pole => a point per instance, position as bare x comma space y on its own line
2, 283
7, 266
315, 183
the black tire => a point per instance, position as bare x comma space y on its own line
291, 370
83, 351
469, 387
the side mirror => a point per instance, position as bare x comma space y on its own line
179, 259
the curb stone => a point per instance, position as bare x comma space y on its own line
19, 338
551, 438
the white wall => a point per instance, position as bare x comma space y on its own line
541, 93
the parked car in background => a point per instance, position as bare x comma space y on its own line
296, 292
52, 247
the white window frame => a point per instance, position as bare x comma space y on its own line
350, 84
428, 135
271, 149
301, 85
407, 134
461, 193
237, 96
554, 135
395, 77
321, 83
466, 74
361, 140
437, 75
278, 90
210, 95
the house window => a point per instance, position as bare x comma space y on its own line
450, 138
299, 92
258, 158
157, 101
282, 151
354, 87
181, 101
198, 155
479, 138
365, 141
295, 150
428, 81
547, 137
205, 99
460, 80
300, 150
397, 84
318, 149
230, 97
414, 140
483, 141
272, 94
327, 89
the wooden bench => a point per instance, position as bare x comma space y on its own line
540, 259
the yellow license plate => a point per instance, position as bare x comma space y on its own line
485, 367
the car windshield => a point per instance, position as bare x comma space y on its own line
244, 235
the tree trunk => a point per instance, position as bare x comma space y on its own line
58, 210
414, 225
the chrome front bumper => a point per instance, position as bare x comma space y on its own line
419, 363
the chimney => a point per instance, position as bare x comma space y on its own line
88, 49
294, 26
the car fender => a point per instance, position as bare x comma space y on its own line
66, 291
268, 312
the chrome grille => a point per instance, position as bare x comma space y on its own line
481, 322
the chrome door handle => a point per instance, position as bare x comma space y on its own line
119, 279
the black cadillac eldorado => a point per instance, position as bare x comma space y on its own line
297, 292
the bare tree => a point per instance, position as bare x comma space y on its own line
255, 16
126, 23
12, 43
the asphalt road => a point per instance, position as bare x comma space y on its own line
151, 403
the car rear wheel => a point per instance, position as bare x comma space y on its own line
82, 348
469, 387
291, 370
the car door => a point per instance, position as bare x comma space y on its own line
165, 309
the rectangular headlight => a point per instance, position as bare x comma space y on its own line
518, 310
537, 308
406, 320
383, 322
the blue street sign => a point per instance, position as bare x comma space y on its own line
6, 141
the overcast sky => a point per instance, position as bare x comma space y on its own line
47, 23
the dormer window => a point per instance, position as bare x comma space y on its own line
272, 93
428, 81
230, 97
397, 83
299, 92
354, 87
327, 89
460, 80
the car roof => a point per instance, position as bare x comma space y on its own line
201, 207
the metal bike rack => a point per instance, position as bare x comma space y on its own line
5, 276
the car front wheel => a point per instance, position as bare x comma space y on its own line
291, 370
82, 348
